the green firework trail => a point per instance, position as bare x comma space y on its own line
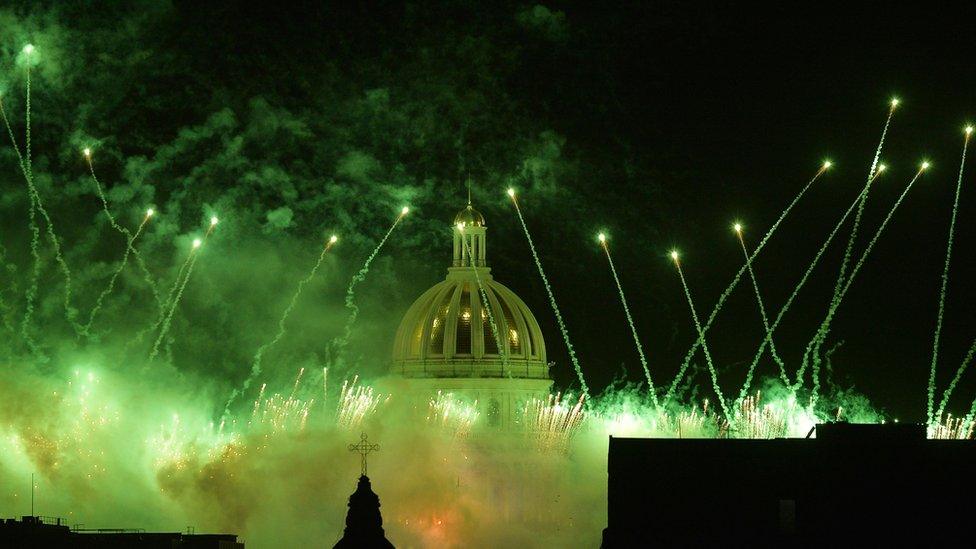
824, 329
27, 169
256, 364
115, 275
172, 310
789, 301
765, 319
701, 338
860, 208
848, 250
338, 345
31, 293
630, 321
944, 288
952, 386
552, 300
971, 414
161, 317
735, 281
146, 275
486, 304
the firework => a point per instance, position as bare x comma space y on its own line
799, 286
552, 298
191, 260
952, 428
735, 281
776, 419
701, 335
737, 227
338, 345
842, 273
115, 275
945, 280
630, 320
37, 205
453, 415
864, 198
552, 423
821, 335
357, 403
279, 413
256, 364
955, 380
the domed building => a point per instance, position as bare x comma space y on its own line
471, 336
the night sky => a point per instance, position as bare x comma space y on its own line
659, 123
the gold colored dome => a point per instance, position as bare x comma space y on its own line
447, 332
469, 217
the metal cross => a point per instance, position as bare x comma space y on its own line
364, 448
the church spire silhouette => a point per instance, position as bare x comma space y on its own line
364, 523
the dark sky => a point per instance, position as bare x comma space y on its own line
658, 122
686, 116
747, 101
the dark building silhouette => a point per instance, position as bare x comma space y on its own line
47, 532
364, 524
852, 485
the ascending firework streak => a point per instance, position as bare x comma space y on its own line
256, 365
36, 205
31, 294
633, 329
860, 207
839, 283
762, 310
735, 281
701, 338
192, 259
146, 275
824, 329
486, 304
796, 291
115, 275
338, 344
552, 299
945, 282
948, 392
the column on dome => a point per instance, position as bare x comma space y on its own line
469, 246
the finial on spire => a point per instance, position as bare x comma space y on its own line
469, 190
363, 448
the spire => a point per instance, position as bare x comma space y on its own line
364, 523
469, 236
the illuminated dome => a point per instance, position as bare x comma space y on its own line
470, 217
447, 332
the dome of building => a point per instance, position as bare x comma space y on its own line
469, 325
469, 217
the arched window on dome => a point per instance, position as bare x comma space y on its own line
436, 346
463, 346
491, 344
512, 335
530, 349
